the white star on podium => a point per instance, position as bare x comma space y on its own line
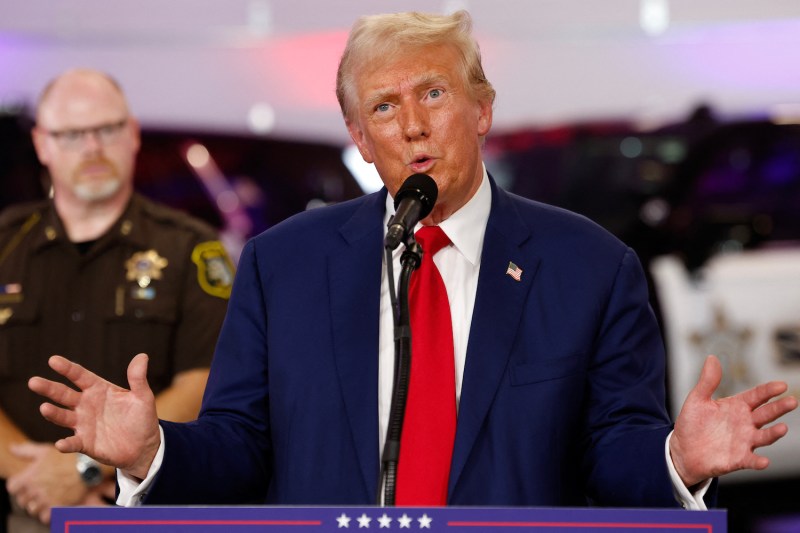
405, 521
425, 521
385, 521
344, 520
363, 521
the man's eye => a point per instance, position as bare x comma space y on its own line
435, 93
72, 135
382, 108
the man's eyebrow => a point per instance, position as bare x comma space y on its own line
382, 95
431, 79
379, 96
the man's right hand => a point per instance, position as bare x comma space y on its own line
116, 426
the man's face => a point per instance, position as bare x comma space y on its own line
414, 114
86, 139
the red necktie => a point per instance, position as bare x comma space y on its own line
429, 425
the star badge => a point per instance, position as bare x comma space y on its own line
143, 267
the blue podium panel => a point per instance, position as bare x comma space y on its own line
382, 519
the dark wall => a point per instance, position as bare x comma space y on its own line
20, 173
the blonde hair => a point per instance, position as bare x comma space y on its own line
380, 37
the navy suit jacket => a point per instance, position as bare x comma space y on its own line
563, 394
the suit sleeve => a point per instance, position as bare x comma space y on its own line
224, 456
627, 420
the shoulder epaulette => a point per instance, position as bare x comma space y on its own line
176, 217
29, 223
16, 215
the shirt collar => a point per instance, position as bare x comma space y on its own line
126, 229
466, 227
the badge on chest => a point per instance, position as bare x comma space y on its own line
143, 268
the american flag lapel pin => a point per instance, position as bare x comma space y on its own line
514, 271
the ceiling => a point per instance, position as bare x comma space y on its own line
235, 65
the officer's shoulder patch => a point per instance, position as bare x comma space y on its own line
214, 268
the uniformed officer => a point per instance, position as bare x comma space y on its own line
97, 273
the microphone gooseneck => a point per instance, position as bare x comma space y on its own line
413, 202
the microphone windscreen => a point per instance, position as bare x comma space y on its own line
422, 187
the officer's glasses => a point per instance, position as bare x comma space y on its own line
105, 134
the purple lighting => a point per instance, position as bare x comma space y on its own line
749, 55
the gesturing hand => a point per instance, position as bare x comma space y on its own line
116, 426
715, 437
49, 480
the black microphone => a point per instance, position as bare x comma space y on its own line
413, 202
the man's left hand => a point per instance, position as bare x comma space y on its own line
715, 437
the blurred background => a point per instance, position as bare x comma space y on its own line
673, 123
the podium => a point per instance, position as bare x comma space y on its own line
382, 519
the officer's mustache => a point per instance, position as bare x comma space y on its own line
96, 161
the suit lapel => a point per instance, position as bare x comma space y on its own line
355, 277
499, 304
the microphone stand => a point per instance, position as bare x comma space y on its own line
410, 261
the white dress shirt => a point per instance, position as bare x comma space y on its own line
459, 264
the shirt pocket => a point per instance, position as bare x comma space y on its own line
143, 321
548, 369
20, 334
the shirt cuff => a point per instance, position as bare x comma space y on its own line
692, 501
132, 491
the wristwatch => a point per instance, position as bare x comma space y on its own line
89, 470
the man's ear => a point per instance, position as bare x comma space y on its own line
357, 134
136, 133
39, 138
484, 117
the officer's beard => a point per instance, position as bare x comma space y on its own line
93, 192
93, 189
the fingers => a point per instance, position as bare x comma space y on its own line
137, 374
758, 462
15, 484
770, 435
710, 378
72, 444
35, 509
764, 437
762, 393
59, 416
74, 372
26, 450
55, 391
31, 508
769, 412
41, 513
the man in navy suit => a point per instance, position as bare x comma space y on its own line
559, 373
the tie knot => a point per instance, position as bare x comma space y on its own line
432, 239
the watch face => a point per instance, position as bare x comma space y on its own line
92, 475
89, 470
